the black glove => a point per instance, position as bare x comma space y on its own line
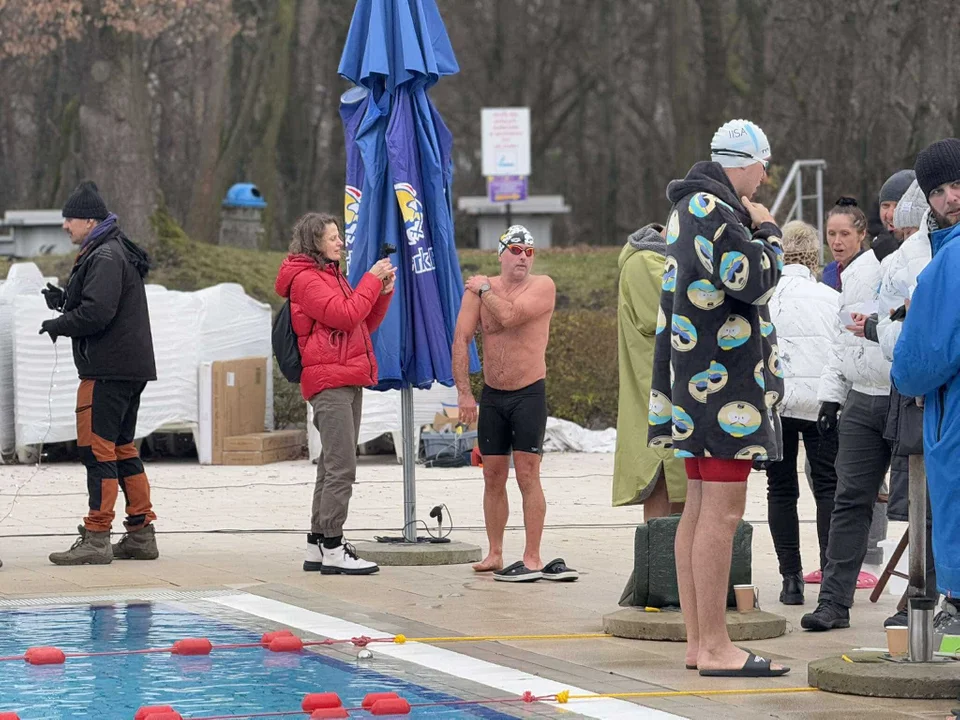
829, 418
54, 297
49, 327
870, 329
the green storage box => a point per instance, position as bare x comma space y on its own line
653, 582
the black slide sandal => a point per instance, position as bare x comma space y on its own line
518, 572
557, 571
755, 666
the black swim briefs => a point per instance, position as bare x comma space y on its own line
512, 419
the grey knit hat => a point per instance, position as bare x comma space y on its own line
910, 209
896, 185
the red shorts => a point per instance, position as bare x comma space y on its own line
718, 469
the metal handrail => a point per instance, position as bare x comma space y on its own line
794, 181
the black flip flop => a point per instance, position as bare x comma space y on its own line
558, 571
754, 667
518, 572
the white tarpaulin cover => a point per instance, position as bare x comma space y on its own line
234, 325
217, 323
23, 278
565, 436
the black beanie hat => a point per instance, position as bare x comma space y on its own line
937, 164
85, 203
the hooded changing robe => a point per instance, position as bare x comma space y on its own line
717, 378
637, 467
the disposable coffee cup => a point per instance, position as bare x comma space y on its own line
746, 598
897, 640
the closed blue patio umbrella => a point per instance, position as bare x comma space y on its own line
398, 192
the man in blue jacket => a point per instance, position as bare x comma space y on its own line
926, 362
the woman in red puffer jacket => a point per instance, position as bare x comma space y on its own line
333, 323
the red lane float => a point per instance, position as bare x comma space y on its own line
9, 716
286, 643
44, 656
324, 713
320, 701
192, 646
371, 698
164, 716
269, 637
144, 712
390, 706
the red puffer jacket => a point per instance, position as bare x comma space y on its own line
333, 323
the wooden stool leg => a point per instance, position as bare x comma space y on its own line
890, 569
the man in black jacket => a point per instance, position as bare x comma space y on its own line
105, 315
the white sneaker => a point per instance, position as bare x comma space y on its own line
343, 560
314, 559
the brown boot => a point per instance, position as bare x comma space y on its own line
137, 545
91, 548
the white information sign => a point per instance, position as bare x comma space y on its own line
506, 141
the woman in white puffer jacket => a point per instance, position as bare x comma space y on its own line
804, 312
856, 378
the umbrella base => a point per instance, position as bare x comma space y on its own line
388, 554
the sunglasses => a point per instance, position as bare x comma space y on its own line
739, 153
520, 249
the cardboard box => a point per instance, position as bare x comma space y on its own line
445, 420
239, 390
265, 441
265, 457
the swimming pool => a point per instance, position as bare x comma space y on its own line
224, 683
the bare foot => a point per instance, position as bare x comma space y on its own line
690, 659
490, 563
729, 658
532, 562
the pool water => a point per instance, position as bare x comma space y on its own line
223, 683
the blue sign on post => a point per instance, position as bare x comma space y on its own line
507, 188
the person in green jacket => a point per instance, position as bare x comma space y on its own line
642, 475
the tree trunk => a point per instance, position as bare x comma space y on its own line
276, 88
210, 184
682, 68
115, 139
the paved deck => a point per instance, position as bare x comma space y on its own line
252, 507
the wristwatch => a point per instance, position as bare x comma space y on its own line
483, 289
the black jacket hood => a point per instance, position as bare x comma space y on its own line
708, 177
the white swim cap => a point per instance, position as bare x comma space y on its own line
515, 235
739, 143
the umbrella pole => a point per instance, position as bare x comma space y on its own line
921, 608
409, 466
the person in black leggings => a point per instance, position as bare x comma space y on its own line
804, 311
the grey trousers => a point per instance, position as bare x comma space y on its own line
336, 415
862, 463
